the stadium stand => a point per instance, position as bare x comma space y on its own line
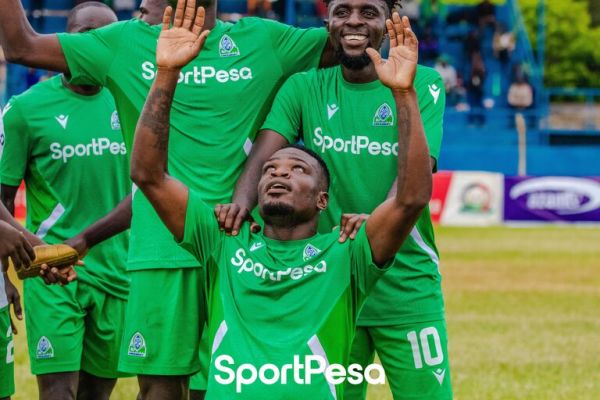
479, 136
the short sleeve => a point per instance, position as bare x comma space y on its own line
296, 49
432, 105
286, 112
90, 55
15, 151
202, 235
366, 273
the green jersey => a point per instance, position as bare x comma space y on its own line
222, 98
353, 127
70, 151
271, 300
3, 300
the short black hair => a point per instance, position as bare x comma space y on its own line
81, 6
392, 4
317, 157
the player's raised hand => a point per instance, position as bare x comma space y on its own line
399, 70
179, 44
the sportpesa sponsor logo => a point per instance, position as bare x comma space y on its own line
357, 144
97, 147
201, 75
245, 264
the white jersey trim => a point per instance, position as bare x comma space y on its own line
49, 222
219, 336
416, 235
317, 349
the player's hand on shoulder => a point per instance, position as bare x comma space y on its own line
231, 216
180, 43
399, 70
13, 244
350, 225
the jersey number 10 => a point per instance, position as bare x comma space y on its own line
424, 349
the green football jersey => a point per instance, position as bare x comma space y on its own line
222, 98
270, 301
70, 151
353, 127
3, 300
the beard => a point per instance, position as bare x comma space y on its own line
352, 62
279, 214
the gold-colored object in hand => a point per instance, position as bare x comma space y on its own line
55, 255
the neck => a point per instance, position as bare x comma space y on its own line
84, 90
364, 75
280, 230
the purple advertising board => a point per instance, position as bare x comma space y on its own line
552, 199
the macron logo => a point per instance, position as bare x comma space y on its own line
435, 92
6, 108
256, 246
62, 120
439, 375
331, 110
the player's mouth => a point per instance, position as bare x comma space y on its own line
355, 39
277, 188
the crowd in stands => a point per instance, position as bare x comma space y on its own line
465, 79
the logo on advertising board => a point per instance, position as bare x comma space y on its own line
553, 198
476, 199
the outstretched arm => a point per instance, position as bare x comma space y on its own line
22, 45
392, 221
176, 47
13, 243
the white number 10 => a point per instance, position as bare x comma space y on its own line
424, 348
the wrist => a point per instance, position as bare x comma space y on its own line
168, 72
403, 92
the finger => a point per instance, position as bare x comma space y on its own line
217, 210
167, 18
18, 310
29, 249
25, 259
239, 220
179, 14
223, 215
391, 33
200, 41
410, 39
13, 327
398, 27
233, 212
199, 21
355, 223
375, 57
188, 16
72, 275
16, 259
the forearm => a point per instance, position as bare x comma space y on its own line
8, 218
115, 222
246, 188
22, 45
149, 157
413, 182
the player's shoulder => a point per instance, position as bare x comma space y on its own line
425, 73
40, 92
313, 77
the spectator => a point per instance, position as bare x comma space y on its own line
261, 8
454, 90
475, 90
429, 47
520, 92
485, 14
503, 43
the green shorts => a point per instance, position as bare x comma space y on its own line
7, 359
71, 328
199, 381
164, 321
414, 357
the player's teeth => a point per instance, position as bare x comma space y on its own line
355, 37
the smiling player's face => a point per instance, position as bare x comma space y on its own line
291, 187
355, 25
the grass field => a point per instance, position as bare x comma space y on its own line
523, 310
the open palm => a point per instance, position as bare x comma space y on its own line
181, 43
398, 71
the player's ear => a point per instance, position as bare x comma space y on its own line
326, 23
322, 200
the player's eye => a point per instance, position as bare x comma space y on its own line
268, 168
341, 12
298, 168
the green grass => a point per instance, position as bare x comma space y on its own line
523, 310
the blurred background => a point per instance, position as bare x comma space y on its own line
517, 198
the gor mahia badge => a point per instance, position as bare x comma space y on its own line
310, 251
44, 349
383, 116
137, 346
228, 48
114, 121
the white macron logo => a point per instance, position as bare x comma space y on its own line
6, 108
435, 92
256, 246
62, 120
331, 110
439, 375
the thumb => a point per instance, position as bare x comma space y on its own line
375, 56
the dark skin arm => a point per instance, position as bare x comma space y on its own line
22, 45
391, 222
8, 195
177, 46
115, 222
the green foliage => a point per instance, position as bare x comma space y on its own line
572, 45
